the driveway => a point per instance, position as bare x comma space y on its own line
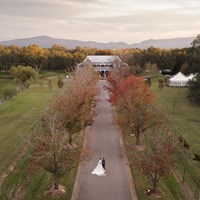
104, 140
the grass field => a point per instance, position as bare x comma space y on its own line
18, 117
169, 185
50, 73
184, 119
18, 120
183, 116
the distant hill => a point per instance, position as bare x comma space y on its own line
47, 42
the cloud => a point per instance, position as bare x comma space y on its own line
101, 20
83, 1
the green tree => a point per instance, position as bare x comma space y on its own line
194, 89
194, 55
7, 92
196, 41
23, 75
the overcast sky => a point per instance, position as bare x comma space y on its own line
100, 20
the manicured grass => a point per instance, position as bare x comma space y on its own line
42, 180
169, 185
4, 75
49, 73
183, 116
19, 119
34, 180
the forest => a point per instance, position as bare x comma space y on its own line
186, 60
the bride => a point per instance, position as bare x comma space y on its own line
99, 170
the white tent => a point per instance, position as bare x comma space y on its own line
178, 80
190, 77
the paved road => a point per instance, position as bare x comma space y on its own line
104, 140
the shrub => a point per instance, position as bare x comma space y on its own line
8, 92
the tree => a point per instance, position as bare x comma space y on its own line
53, 153
151, 69
196, 41
50, 85
76, 101
134, 102
194, 89
160, 84
24, 75
35, 56
185, 68
7, 92
68, 114
193, 56
156, 160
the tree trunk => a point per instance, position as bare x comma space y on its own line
137, 140
55, 183
55, 170
70, 139
137, 135
155, 183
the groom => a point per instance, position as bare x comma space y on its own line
103, 163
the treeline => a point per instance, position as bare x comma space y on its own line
186, 60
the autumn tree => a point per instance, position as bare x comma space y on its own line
35, 56
115, 77
68, 114
156, 160
134, 102
24, 76
76, 100
53, 153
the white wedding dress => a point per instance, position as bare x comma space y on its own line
99, 170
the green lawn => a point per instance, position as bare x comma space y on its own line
49, 73
169, 185
183, 116
4, 75
184, 119
19, 119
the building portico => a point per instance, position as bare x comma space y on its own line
103, 63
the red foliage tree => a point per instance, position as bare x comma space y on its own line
134, 101
156, 160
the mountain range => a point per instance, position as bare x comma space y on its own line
48, 42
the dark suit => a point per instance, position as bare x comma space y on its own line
103, 163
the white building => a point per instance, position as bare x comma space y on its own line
178, 80
103, 63
190, 76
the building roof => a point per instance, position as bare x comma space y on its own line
102, 59
191, 76
179, 77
